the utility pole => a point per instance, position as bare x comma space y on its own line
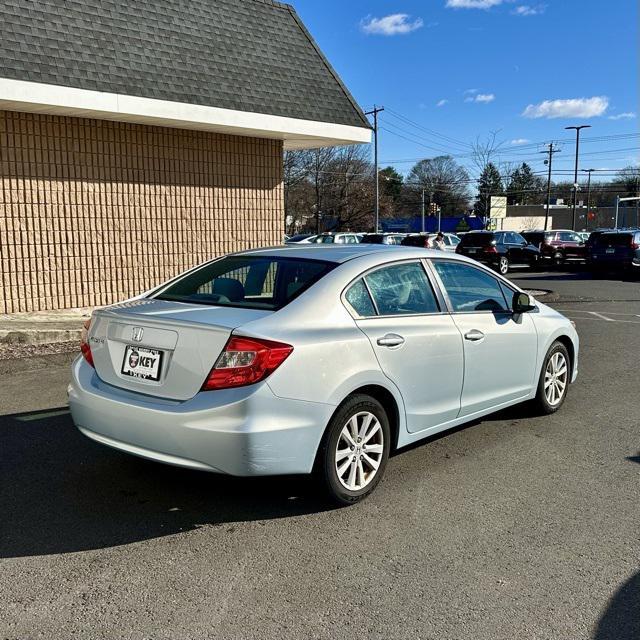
549, 162
374, 112
575, 178
589, 171
423, 211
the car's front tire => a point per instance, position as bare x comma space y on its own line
554, 379
354, 451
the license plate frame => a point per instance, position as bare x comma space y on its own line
138, 371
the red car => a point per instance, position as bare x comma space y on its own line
558, 246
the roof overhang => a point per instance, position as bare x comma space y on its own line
34, 97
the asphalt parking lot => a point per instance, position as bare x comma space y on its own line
512, 527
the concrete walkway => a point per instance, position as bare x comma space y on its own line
42, 327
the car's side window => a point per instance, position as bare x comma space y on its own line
358, 297
470, 289
518, 239
402, 289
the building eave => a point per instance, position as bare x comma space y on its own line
33, 97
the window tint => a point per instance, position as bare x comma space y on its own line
517, 238
508, 294
402, 289
358, 297
254, 282
470, 289
478, 239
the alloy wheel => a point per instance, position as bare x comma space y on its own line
359, 451
555, 378
503, 266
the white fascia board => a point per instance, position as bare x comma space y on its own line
34, 97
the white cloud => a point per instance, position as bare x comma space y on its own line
441, 103
526, 10
481, 97
391, 25
629, 115
573, 108
473, 4
471, 91
519, 141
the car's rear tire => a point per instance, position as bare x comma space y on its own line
555, 377
558, 259
503, 266
354, 450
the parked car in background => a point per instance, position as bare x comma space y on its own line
337, 238
584, 235
300, 237
502, 250
416, 240
558, 246
238, 366
616, 250
383, 238
451, 240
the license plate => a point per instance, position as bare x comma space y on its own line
472, 250
610, 251
140, 362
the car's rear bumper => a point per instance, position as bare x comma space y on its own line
245, 432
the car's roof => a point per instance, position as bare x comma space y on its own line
345, 252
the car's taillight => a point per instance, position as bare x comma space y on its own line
84, 342
635, 245
490, 249
246, 361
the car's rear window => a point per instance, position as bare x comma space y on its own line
477, 239
372, 239
532, 237
614, 240
251, 282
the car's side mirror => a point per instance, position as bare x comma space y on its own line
522, 302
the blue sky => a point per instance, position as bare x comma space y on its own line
526, 69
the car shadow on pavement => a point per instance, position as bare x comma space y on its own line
621, 619
61, 492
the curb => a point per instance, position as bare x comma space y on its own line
37, 336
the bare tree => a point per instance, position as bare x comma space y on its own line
484, 151
446, 183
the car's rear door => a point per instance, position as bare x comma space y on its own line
415, 339
500, 348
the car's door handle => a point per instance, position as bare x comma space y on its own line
474, 335
391, 340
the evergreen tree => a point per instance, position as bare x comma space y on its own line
524, 186
490, 184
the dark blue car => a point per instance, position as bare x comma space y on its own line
619, 250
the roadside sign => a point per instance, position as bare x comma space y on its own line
498, 207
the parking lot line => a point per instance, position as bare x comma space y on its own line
599, 315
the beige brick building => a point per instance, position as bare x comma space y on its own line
111, 181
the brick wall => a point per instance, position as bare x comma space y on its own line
92, 212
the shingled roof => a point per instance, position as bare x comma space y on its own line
246, 55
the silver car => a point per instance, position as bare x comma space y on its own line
315, 359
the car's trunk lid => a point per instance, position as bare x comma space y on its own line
162, 348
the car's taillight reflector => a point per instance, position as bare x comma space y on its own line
84, 342
246, 361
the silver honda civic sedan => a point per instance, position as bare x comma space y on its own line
315, 359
